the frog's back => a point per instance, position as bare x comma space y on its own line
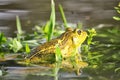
68, 42
49, 47
43, 49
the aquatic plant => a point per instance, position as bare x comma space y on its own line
2, 40
15, 44
118, 11
58, 55
49, 28
63, 16
89, 41
118, 19
19, 28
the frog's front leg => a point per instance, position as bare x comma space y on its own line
78, 55
79, 63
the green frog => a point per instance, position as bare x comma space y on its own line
69, 43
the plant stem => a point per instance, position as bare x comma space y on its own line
63, 15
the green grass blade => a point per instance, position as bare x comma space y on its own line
27, 48
19, 29
2, 38
58, 54
63, 15
46, 28
49, 27
52, 21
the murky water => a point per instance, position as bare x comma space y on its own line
34, 12
38, 73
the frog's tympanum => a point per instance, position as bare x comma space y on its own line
69, 43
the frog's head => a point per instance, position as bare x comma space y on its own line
78, 36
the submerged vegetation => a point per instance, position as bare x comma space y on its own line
101, 49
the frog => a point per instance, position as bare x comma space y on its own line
69, 43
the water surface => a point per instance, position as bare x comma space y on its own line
35, 12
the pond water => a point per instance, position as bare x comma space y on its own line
103, 65
36, 12
91, 13
39, 73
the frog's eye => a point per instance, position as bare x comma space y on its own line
79, 32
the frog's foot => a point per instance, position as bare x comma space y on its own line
82, 64
78, 57
78, 71
79, 66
